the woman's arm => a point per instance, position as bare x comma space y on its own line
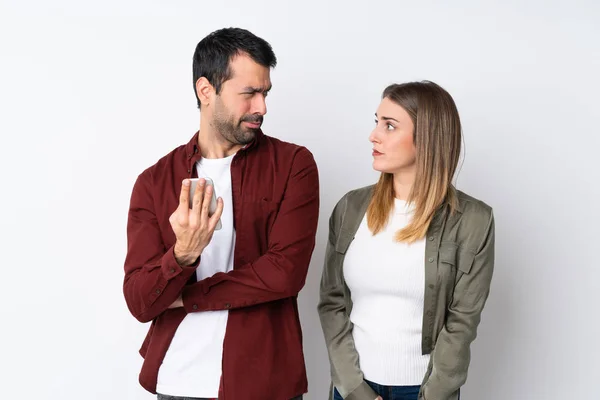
451, 356
337, 328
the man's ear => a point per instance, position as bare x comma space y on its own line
204, 91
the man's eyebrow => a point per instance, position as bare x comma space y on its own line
250, 89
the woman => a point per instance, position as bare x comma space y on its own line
409, 260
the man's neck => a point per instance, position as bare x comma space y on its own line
213, 145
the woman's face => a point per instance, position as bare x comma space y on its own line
393, 139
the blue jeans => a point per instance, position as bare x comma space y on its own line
389, 392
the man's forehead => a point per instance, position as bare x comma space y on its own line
244, 68
253, 80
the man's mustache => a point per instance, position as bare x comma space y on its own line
254, 119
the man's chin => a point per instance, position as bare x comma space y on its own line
247, 136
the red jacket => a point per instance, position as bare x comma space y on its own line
275, 190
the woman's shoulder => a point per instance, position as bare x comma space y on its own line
475, 214
470, 205
355, 199
358, 195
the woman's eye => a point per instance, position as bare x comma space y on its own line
390, 127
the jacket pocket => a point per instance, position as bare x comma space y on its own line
458, 257
258, 217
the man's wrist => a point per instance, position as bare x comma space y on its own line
183, 257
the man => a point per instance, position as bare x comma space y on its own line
223, 303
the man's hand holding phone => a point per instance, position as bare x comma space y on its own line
193, 227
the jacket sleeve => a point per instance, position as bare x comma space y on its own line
153, 278
451, 356
281, 271
346, 375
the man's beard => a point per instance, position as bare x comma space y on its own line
233, 131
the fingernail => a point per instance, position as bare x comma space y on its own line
186, 182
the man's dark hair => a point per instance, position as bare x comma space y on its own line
214, 53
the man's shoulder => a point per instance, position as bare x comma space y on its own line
281, 145
165, 163
286, 153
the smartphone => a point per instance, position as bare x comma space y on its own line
213, 202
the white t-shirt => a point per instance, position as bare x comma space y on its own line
192, 365
387, 284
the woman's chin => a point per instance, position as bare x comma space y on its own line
378, 167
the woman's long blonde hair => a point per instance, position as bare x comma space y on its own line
437, 138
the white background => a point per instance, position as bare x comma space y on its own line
92, 93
